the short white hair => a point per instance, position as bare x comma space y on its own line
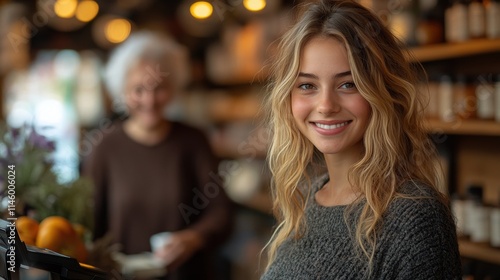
149, 46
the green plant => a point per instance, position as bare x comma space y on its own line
38, 190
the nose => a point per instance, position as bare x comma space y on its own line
328, 102
147, 99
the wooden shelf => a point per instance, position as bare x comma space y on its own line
454, 50
464, 127
484, 253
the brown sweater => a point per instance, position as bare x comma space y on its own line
142, 190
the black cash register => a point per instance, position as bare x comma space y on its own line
16, 257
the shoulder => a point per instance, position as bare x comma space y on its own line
418, 228
419, 206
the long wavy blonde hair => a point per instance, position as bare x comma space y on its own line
397, 147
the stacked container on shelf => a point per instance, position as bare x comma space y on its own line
458, 97
466, 19
476, 220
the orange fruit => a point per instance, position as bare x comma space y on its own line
57, 234
27, 229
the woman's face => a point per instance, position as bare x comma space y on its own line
326, 105
147, 92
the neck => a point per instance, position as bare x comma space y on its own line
338, 190
147, 135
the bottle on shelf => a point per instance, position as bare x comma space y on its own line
456, 22
465, 97
497, 98
477, 220
431, 89
495, 225
403, 23
446, 113
476, 19
458, 210
430, 23
485, 98
493, 19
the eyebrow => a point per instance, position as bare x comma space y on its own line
338, 75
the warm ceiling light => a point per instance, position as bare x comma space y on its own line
201, 9
65, 8
117, 30
87, 10
254, 5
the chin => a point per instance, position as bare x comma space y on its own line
151, 123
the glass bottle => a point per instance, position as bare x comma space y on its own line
477, 216
495, 225
465, 98
484, 99
497, 98
456, 22
477, 19
458, 210
446, 113
493, 19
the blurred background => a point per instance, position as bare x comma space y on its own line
52, 55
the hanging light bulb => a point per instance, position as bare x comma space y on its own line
254, 5
65, 8
117, 30
87, 10
201, 10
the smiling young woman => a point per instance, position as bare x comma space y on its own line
343, 99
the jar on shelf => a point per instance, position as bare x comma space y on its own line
430, 29
465, 97
493, 19
458, 209
476, 19
445, 99
431, 92
495, 224
497, 98
456, 22
477, 219
485, 103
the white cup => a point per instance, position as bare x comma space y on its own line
159, 240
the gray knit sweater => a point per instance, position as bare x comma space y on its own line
417, 240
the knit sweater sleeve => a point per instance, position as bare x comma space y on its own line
423, 239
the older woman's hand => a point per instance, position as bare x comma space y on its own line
179, 248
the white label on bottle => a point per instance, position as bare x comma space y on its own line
446, 101
476, 19
481, 230
484, 99
497, 101
493, 20
458, 209
456, 26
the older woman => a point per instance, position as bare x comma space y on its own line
152, 174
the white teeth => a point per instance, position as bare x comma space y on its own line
333, 126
